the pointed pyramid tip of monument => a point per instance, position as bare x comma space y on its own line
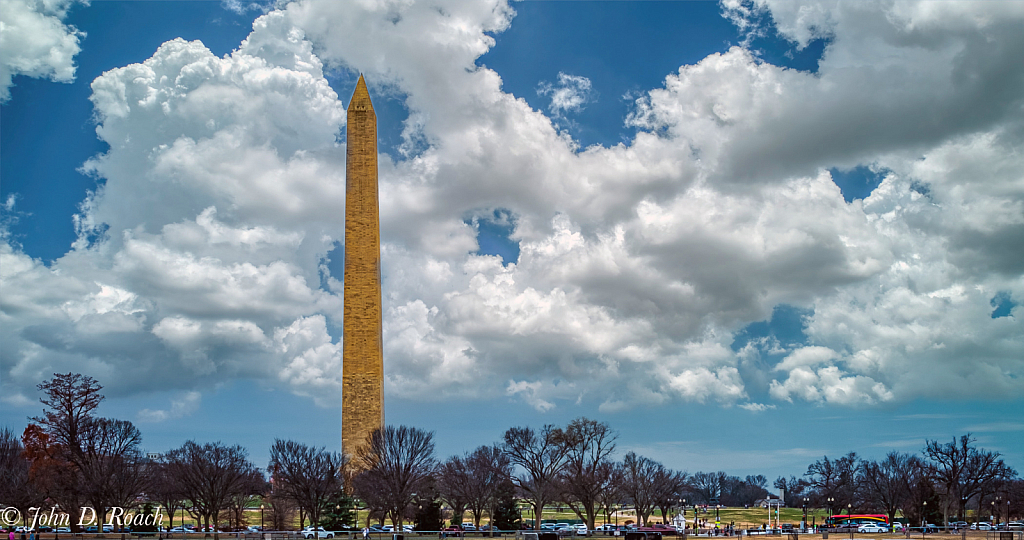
361, 96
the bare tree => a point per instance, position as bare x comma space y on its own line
795, 490
638, 477
51, 472
489, 471
280, 510
950, 466
240, 501
16, 486
589, 444
310, 476
540, 456
165, 490
667, 489
835, 479
612, 494
374, 495
453, 486
1013, 495
210, 475
922, 490
113, 470
963, 470
708, 485
104, 453
986, 473
70, 400
738, 491
396, 461
886, 484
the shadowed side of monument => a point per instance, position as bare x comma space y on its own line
362, 382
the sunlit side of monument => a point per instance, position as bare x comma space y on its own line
362, 381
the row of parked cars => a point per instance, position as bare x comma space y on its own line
986, 526
580, 529
111, 529
566, 529
665, 530
459, 530
931, 527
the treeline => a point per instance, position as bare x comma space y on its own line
71, 458
939, 486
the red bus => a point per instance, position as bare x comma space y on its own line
841, 519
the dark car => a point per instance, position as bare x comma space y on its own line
665, 530
659, 529
652, 533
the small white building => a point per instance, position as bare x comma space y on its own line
771, 500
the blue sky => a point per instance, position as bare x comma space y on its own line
744, 236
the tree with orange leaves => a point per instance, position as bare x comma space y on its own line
16, 486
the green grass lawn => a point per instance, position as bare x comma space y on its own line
742, 517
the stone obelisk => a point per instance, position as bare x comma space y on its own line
362, 380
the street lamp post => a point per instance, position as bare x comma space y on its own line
261, 519
924, 521
803, 524
998, 502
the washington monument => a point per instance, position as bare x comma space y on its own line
362, 378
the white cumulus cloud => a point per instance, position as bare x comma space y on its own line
187, 404
638, 264
570, 94
35, 42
